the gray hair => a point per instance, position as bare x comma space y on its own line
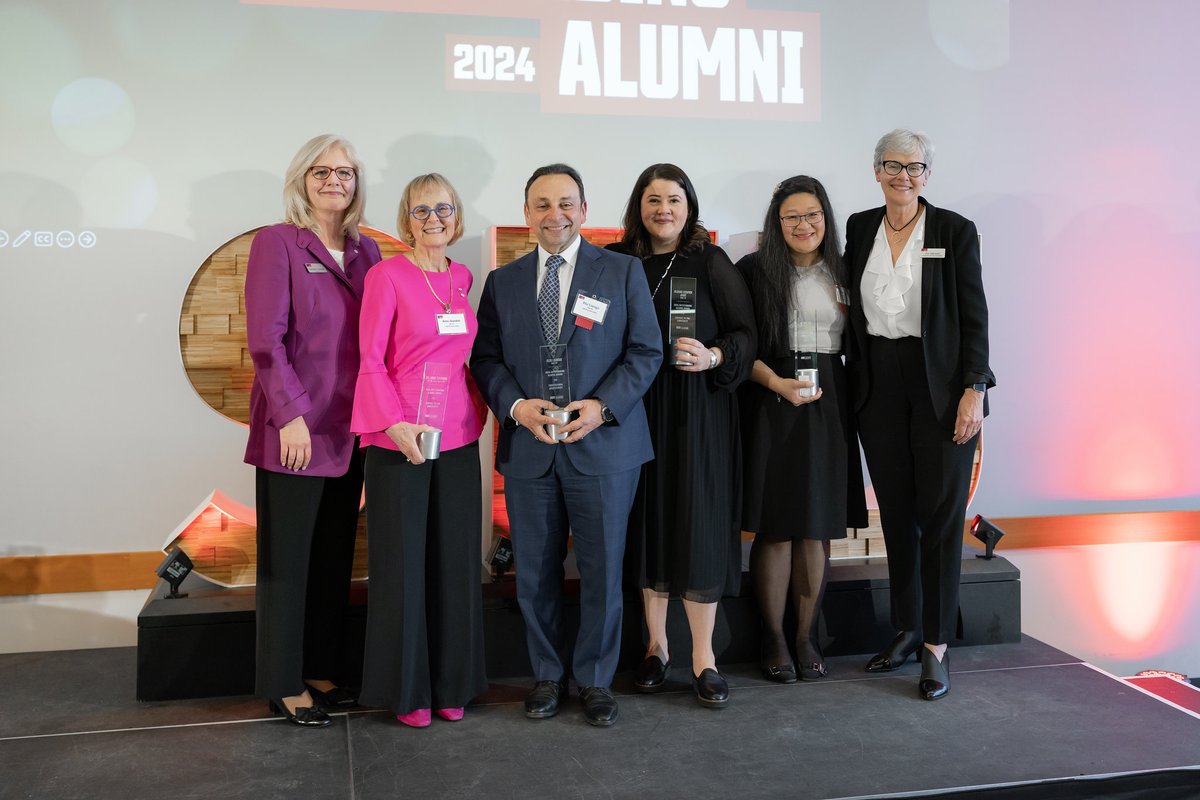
296, 208
902, 140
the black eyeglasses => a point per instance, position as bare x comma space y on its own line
812, 218
914, 170
321, 172
422, 213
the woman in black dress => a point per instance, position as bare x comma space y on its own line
803, 478
684, 528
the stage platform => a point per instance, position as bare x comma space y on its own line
202, 645
1023, 720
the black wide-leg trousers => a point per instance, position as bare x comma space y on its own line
424, 644
922, 481
306, 528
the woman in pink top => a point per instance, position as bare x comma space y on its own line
424, 647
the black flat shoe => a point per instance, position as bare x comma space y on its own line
306, 717
903, 646
543, 701
782, 673
651, 675
711, 688
599, 706
814, 671
935, 675
337, 698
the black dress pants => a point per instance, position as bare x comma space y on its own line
425, 616
306, 528
922, 481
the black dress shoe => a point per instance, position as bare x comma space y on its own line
651, 675
935, 675
337, 698
903, 646
599, 706
711, 688
306, 717
814, 671
543, 701
782, 673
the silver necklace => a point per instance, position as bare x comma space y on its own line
654, 294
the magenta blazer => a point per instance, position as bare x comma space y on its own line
302, 333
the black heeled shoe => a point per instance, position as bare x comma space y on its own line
711, 688
337, 698
935, 675
305, 717
651, 675
814, 671
780, 673
903, 646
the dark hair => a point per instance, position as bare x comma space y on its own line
556, 169
772, 287
637, 238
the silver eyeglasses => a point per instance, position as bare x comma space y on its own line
812, 218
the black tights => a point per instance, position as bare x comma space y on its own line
804, 565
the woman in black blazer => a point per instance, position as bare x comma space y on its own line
919, 372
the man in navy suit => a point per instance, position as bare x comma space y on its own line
596, 304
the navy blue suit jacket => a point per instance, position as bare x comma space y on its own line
615, 361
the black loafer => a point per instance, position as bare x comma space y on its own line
782, 673
903, 646
305, 717
935, 675
543, 701
711, 688
599, 706
337, 698
651, 675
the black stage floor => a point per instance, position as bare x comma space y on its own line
1022, 720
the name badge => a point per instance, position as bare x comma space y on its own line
315, 268
451, 324
592, 309
933, 252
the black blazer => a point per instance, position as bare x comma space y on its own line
954, 316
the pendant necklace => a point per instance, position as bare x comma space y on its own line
445, 303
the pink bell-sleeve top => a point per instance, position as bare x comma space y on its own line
398, 335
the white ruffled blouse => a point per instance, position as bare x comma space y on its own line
892, 295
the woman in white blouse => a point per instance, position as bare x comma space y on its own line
803, 481
918, 359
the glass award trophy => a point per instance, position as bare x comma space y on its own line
803, 338
556, 387
431, 409
683, 314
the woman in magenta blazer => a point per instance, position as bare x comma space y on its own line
424, 647
304, 284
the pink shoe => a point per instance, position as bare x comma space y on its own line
415, 719
450, 714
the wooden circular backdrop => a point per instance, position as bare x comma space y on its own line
212, 325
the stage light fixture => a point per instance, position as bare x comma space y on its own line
987, 533
501, 557
173, 570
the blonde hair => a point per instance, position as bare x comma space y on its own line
420, 183
296, 208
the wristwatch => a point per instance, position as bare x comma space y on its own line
979, 387
712, 364
606, 412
